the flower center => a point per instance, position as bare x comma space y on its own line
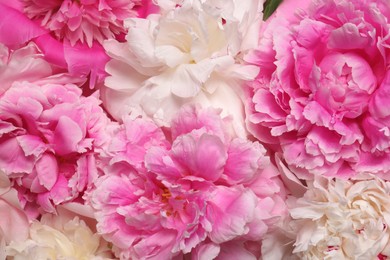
166, 195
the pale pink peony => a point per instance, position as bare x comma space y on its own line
82, 20
50, 137
320, 98
14, 223
202, 189
192, 52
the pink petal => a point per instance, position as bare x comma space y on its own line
206, 251
243, 161
83, 61
47, 170
16, 28
205, 157
230, 211
13, 159
52, 49
67, 135
31, 145
13, 222
60, 191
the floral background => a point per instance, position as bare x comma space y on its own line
194, 129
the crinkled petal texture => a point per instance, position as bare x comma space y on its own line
196, 192
340, 219
50, 140
190, 53
84, 20
320, 99
56, 237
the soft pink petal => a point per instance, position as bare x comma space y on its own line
47, 170
230, 211
13, 159
67, 136
205, 157
13, 222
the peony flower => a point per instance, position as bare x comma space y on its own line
192, 52
339, 219
83, 20
319, 99
50, 139
54, 238
204, 188
69, 33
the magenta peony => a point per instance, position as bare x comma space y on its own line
50, 137
200, 192
82, 20
320, 98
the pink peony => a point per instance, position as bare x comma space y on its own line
82, 20
50, 137
69, 33
320, 98
197, 192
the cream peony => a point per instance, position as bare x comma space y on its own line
192, 52
342, 219
53, 238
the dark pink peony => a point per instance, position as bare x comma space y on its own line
320, 98
82, 20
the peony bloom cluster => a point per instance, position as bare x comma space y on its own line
340, 219
193, 129
321, 99
200, 191
55, 237
50, 140
192, 52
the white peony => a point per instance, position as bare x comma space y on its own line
55, 239
191, 52
342, 219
